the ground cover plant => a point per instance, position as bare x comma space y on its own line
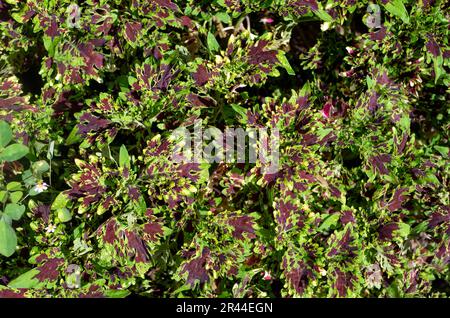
93, 206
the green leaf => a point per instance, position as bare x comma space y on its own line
64, 215
240, 110
329, 221
60, 201
403, 229
13, 152
275, 73
306, 90
438, 70
370, 82
3, 196
8, 239
73, 137
124, 157
25, 280
50, 44
323, 132
285, 63
323, 15
15, 211
5, 134
430, 177
40, 166
51, 149
405, 123
393, 291
115, 293
131, 80
14, 186
7, 219
28, 178
397, 8
18, 16
444, 151
213, 45
123, 83
180, 290
33, 192
223, 17
16, 196
85, 144
421, 227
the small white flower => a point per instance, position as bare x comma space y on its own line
40, 187
325, 26
50, 228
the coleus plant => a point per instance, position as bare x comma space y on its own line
359, 91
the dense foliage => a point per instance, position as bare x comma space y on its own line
92, 204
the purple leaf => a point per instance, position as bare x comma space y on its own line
379, 162
397, 200
132, 29
433, 47
136, 243
297, 275
43, 212
110, 232
379, 35
167, 4
153, 229
201, 76
10, 293
385, 231
241, 225
343, 282
347, 217
50, 269
91, 123
52, 31
196, 268
257, 54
